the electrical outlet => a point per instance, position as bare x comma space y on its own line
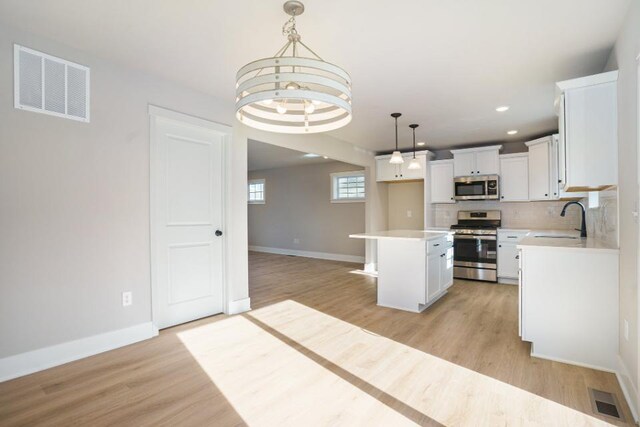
296, 241
626, 330
127, 298
409, 214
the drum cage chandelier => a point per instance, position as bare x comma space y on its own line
289, 93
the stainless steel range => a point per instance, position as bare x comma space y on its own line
475, 253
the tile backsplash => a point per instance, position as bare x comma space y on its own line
602, 222
527, 215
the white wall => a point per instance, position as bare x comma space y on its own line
326, 145
623, 58
299, 216
74, 216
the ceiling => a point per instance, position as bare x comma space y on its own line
444, 64
266, 156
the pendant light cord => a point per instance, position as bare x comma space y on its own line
396, 134
414, 143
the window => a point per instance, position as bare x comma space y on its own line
347, 186
256, 191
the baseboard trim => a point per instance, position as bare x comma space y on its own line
309, 254
44, 358
571, 362
507, 281
628, 389
239, 306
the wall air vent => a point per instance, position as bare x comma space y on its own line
50, 85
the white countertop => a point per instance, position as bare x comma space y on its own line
403, 234
588, 243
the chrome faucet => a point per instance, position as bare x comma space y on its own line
583, 228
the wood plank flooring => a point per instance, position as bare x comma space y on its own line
316, 350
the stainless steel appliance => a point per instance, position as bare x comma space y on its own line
475, 238
485, 187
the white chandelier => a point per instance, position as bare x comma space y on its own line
292, 93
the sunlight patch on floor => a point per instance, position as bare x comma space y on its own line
288, 364
365, 273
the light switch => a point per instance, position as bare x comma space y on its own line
409, 214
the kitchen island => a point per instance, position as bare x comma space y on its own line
415, 268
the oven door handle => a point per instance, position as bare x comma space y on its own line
473, 237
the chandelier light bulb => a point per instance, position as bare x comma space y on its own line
267, 101
315, 102
281, 109
309, 108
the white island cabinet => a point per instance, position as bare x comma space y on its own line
415, 268
569, 299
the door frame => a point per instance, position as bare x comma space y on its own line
155, 113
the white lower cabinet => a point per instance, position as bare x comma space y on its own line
433, 276
508, 255
569, 304
439, 268
446, 269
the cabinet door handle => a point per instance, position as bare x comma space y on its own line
442, 255
499, 246
545, 194
517, 256
436, 244
512, 237
477, 171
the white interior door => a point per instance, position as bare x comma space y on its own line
188, 235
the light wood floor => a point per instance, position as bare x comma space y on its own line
316, 350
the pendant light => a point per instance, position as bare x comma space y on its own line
414, 163
396, 157
289, 93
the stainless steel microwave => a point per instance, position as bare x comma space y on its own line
477, 187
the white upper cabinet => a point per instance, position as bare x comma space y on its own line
406, 173
514, 177
540, 168
464, 164
588, 142
387, 172
545, 169
476, 161
488, 162
442, 181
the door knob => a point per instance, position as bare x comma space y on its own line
218, 233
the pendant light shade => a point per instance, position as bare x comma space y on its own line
396, 156
414, 163
289, 93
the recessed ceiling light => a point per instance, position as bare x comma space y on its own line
512, 132
326, 157
421, 143
311, 155
502, 108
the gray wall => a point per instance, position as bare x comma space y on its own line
404, 197
623, 58
298, 206
74, 210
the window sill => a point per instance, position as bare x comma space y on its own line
347, 200
256, 203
